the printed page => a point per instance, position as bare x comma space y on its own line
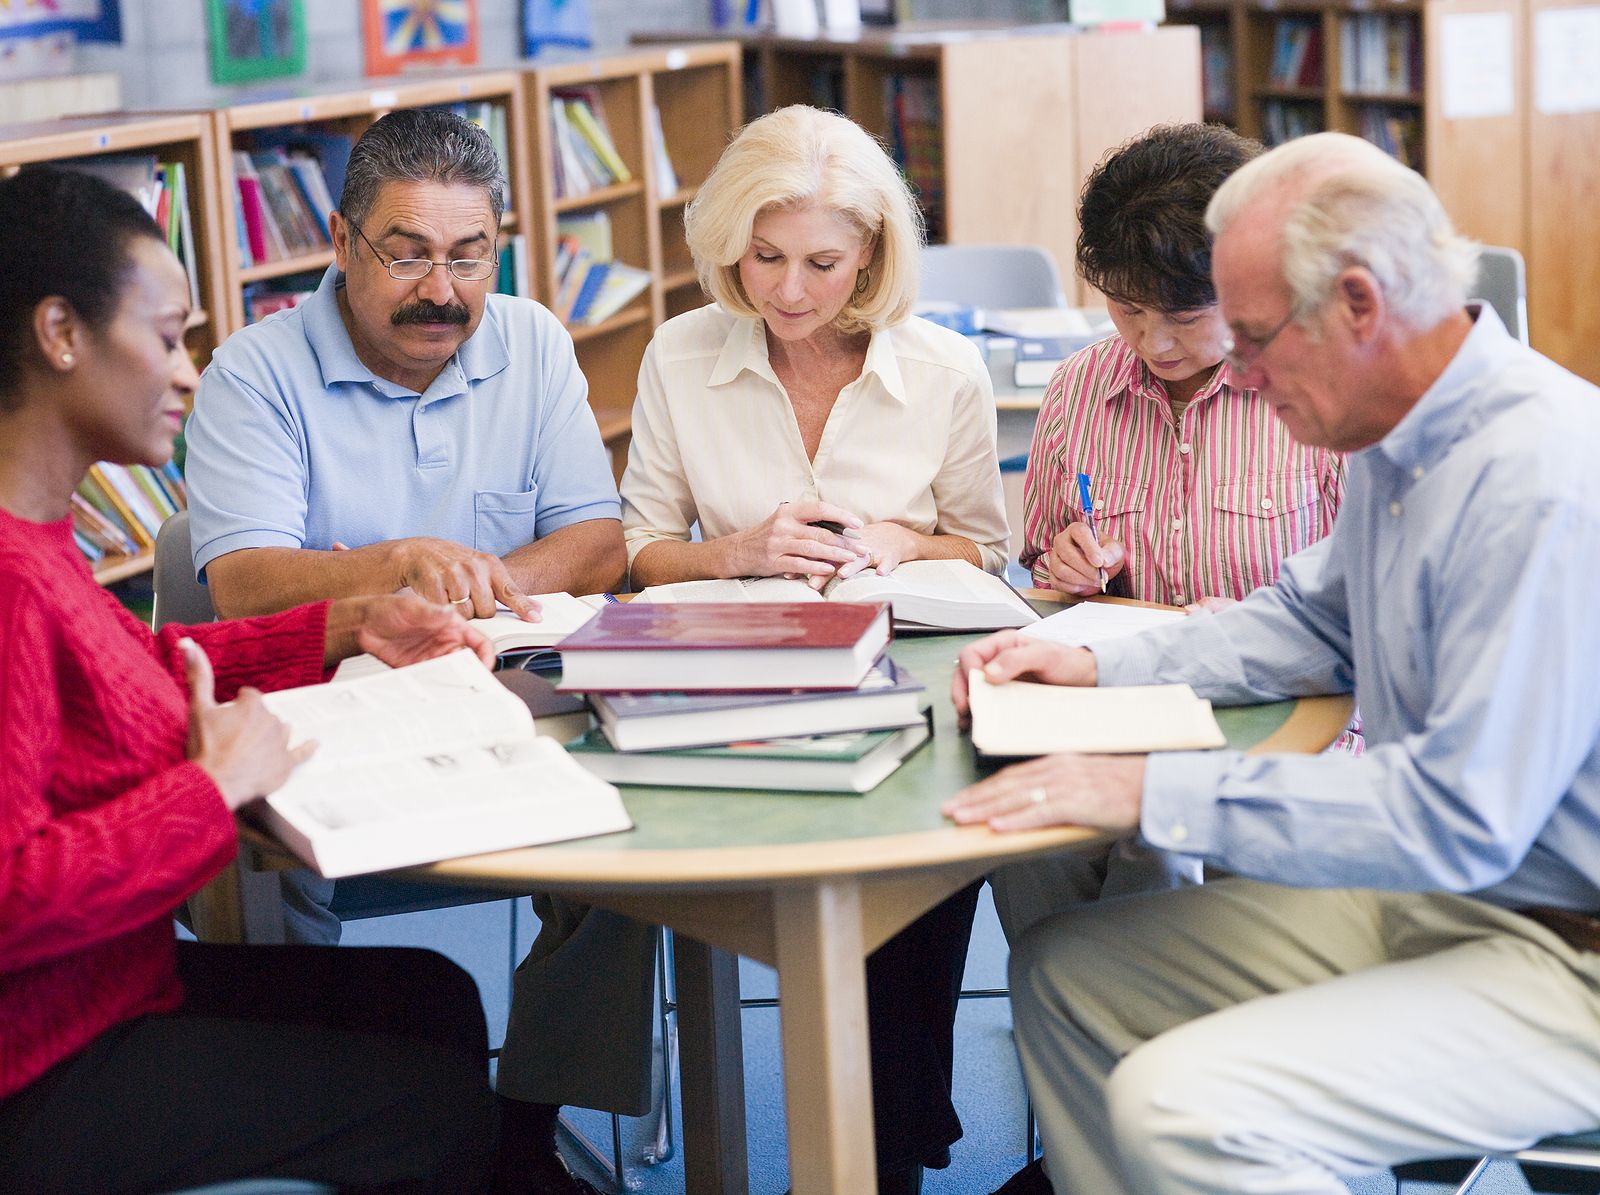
937, 592
1095, 622
1024, 718
444, 704
731, 589
559, 615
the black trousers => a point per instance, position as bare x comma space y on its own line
913, 982
366, 1069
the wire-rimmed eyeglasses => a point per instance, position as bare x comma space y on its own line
1242, 352
409, 269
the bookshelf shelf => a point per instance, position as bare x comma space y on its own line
619, 191
282, 269
980, 162
679, 198
111, 570
626, 318
680, 278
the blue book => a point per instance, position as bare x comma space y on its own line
592, 281
889, 697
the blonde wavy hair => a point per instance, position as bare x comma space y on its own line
795, 157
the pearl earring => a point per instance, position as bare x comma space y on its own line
66, 360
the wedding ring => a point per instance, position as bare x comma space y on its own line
1037, 794
466, 601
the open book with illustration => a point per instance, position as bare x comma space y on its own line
432, 761
925, 594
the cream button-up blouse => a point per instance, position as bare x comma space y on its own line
911, 441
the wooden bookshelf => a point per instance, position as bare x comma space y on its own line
174, 137
697, 89
348, 110
995, 126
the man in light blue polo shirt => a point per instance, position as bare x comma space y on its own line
404, 428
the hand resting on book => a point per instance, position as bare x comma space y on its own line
241, 746
1008, 655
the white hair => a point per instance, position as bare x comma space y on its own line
1351, 204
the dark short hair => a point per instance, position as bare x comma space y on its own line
1142, 235
61, 233
421, 145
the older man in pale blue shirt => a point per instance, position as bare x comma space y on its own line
1410, 971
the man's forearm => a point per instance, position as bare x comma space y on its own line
586, 557
265, 580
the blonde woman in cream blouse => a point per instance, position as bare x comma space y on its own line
808, 393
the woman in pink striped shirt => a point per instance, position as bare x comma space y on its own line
1199, 491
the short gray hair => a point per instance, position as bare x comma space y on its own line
1356, 206
791, 158
421, 145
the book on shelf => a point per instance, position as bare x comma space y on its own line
570, 284
1380, 54
1216, 67
1284, 120
585, 155
913, 115
269, 297
852, 762
162, 189
717, 647
889, 696
620, 286
571, 179
428, 762
515, 276
591, 230
1296, 52
1020, 719
593, 279
661, 160
1038, 357
945, 595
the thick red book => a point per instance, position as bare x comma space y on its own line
712, 646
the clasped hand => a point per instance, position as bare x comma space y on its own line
1100, 791
787, 543
451, 574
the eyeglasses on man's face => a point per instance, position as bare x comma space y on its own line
1242, 352
409, 269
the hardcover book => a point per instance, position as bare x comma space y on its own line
716, 646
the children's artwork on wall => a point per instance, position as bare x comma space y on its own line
547, 23
407, 33
86, 20
256, 39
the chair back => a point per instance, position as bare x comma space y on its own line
179, 597
1503, 284
997, 276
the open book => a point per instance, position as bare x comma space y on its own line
1021, 718
947, 595
427, 762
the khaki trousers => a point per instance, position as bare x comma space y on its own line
1244, 1037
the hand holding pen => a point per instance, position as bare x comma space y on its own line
1078, 561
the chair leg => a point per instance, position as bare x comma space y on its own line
1472, 1176
662, 1148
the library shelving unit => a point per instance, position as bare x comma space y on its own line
347, 111
175, 137
996, 127
696, 89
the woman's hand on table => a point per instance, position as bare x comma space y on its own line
1074, 560
887, 546
400, 629
787, 543
1009, 655
241, 746
1099, 791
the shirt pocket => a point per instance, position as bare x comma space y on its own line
1262, 520
504, 520
1118, 507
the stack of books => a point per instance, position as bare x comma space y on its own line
284, 201
117, 509
585, 158
591, 286
776, 696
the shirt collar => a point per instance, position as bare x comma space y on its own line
1439, 418
745, 348
483, 355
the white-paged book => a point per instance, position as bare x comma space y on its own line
1095, 622
427, 762
942, 594
1022, 718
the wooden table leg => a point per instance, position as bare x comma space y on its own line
822, 989
711, 1069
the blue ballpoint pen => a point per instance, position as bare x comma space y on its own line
1086, 499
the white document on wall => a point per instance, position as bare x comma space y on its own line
1095, 622
1476, 75
1566, 60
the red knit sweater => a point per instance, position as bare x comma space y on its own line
104, 827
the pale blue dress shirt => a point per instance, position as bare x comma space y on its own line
294, 443
1458, 597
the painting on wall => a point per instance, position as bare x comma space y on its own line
256, 39
401, 34
84, 20
556, 23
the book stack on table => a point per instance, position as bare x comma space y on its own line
779, 696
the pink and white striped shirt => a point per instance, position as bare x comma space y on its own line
1209, 507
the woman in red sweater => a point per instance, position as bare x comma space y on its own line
128, 1061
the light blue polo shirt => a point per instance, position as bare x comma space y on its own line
294, 443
